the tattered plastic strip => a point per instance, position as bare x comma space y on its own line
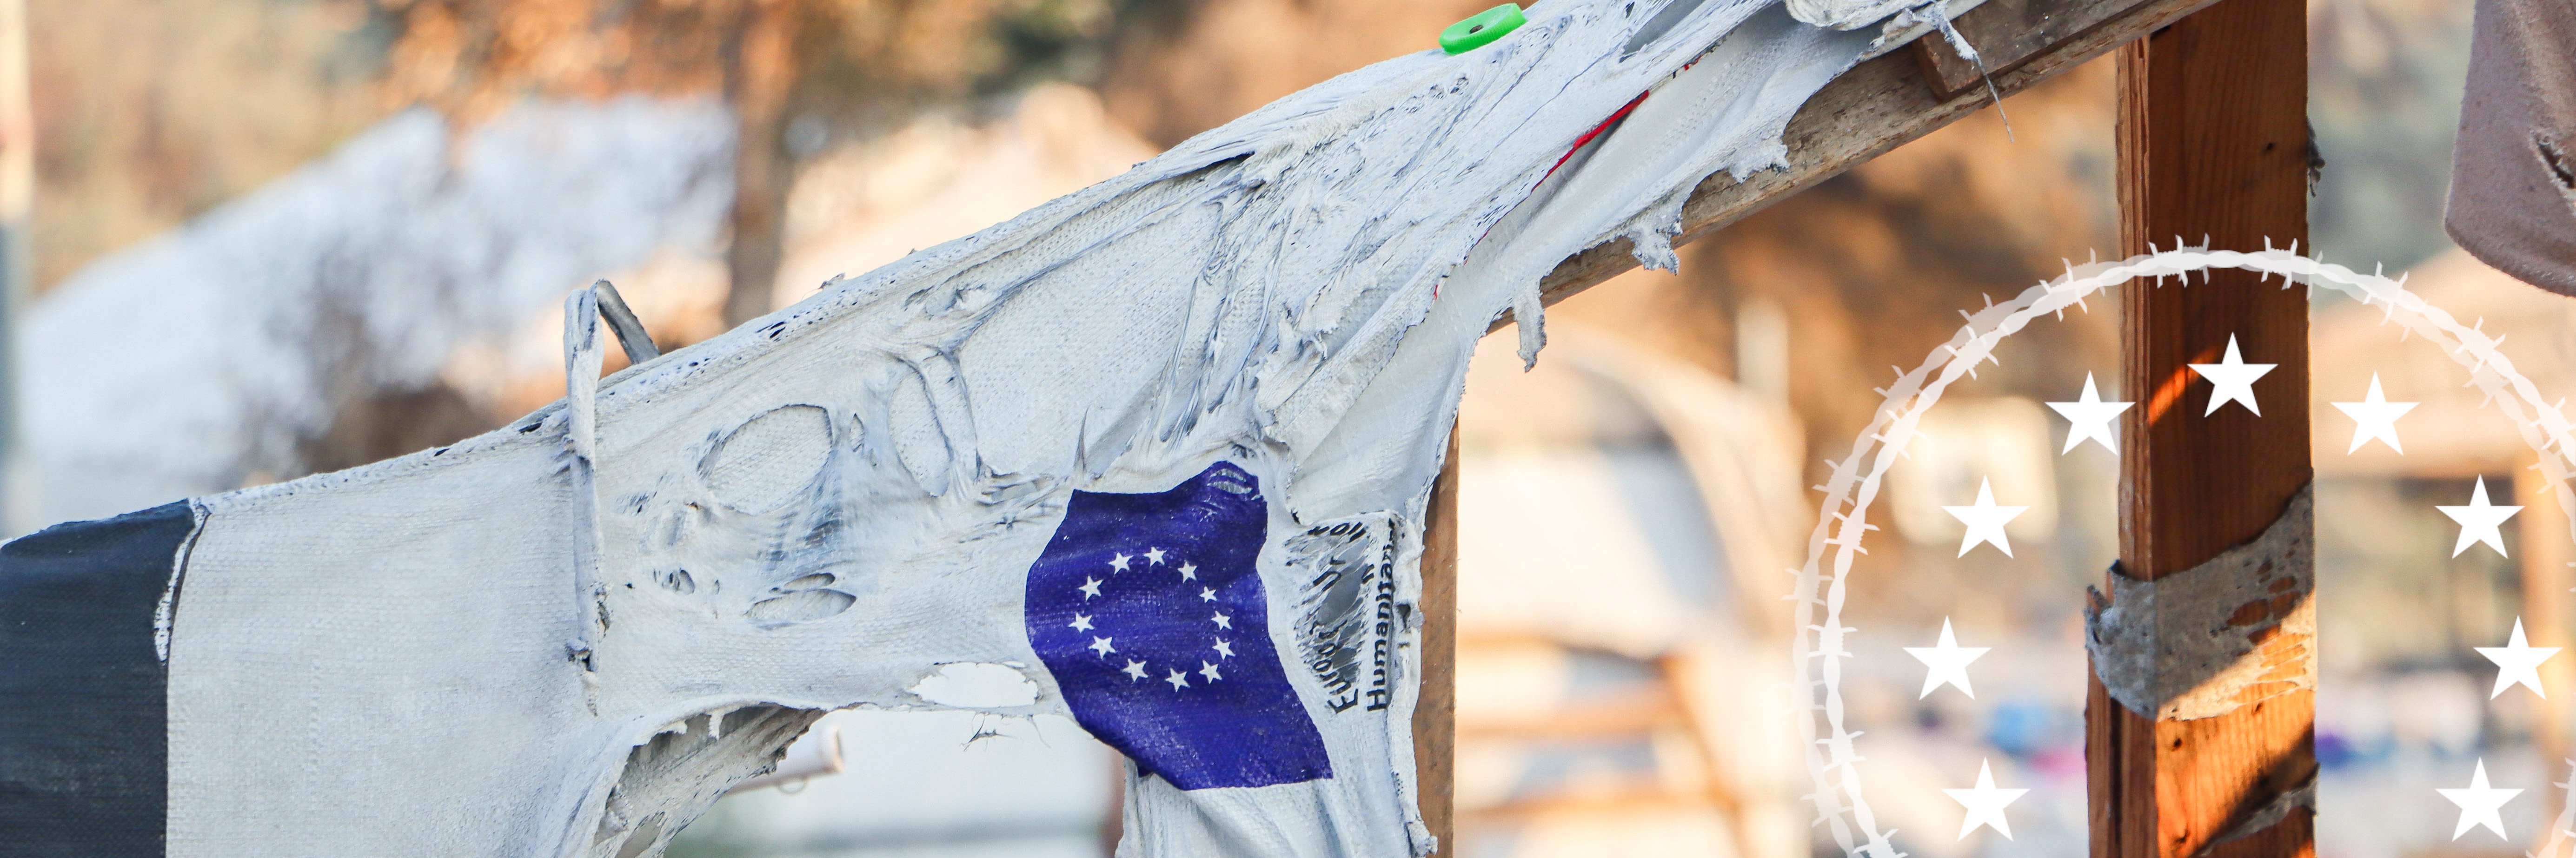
1842, 518
2174, 648
582, 361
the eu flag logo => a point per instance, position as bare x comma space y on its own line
1149, 612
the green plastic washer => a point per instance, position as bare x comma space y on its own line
1477, 30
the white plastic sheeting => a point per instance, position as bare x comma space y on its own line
568, 636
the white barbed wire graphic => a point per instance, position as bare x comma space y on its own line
1843, 516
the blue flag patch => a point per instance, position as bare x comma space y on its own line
1148, 610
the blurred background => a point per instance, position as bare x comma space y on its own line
268, 238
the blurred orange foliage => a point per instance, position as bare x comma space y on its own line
473, 57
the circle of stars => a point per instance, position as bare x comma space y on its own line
2374, 416
2089, 418
1136, 670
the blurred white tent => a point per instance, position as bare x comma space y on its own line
217, 355
928, 785
1623, 523
417, 257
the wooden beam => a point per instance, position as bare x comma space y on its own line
1435, 712
1875, 107
2213, 142
1617, 800
2006, 34
1617, 717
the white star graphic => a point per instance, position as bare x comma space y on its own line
1985, 804
1223, 649
1948, 662
1101, 646
1177, 680
1207, 594
2479, 803
2478, 520
1985, 521
1090, 588
1120, 562
1081, 623
1135, 670
1189, 571
2517, 662
2375, 417
1208, 669
1222, 621
2089, 418
1153, 556
2232, 380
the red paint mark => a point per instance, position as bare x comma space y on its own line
1579, 142
1596, 131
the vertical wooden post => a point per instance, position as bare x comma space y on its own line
1435, 713
2544, 552
2212, 143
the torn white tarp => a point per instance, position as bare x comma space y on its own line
1153, 456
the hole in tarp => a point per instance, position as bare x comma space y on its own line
808, 582
2555, 159
800, 606
973, 685
679, 581
770, 459
1655, 27
1232, 481
642, 840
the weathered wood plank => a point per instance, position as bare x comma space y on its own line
2006, 34
1875, 107
1435, 712
2213, 144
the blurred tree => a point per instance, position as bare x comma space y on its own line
792, 70
151, 112
1180, 67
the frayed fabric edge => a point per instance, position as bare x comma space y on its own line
166, 615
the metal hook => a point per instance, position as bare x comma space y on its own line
630, 330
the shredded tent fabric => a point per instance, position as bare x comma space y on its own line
1158, 453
